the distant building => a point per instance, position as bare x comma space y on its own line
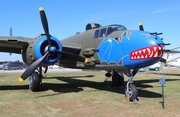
2, 62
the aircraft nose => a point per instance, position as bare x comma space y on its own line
144, 49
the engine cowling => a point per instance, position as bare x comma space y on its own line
38, 47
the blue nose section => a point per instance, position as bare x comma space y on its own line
52, 49
133, 49
144, 49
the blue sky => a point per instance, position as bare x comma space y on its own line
65, 18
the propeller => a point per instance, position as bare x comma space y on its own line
141, 27
45, 24
51, 50
32, 68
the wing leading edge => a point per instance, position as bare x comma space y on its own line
13, 44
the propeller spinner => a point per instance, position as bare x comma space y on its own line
51, 50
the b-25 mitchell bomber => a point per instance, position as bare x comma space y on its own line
112, 48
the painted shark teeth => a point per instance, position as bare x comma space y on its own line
146, 53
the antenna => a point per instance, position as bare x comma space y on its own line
10, 31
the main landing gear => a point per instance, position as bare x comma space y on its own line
117, 78
35, 80
131, 91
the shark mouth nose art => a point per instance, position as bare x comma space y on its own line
146, 53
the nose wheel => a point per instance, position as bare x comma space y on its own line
131, 91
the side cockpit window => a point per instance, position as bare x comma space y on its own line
110, 30
100, 33
96, 34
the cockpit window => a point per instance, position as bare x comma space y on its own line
102, 32
113, 28
96, 34
106, 31
110, 30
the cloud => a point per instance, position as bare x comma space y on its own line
158, 11
170, 9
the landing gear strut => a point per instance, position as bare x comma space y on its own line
35, 80
131, 91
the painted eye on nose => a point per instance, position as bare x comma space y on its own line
147, 35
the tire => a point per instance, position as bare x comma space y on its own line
133, 92
34, 82
117, 79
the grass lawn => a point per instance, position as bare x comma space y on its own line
85, 94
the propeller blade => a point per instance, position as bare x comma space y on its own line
74, 56
45, 24
32, 68
141, 27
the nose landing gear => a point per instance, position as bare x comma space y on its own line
131, 91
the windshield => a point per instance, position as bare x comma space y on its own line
118, 27
113, 28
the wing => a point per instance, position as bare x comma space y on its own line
171, 51
174, 50
71, 48
13, 44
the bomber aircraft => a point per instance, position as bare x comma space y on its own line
112, 48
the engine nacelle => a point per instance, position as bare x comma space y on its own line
38, 47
